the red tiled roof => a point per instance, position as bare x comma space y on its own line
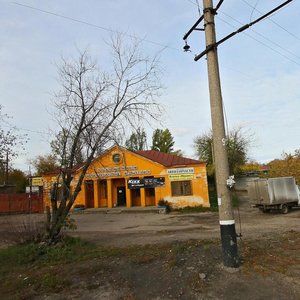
166, 159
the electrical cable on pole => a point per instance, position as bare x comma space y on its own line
224, 182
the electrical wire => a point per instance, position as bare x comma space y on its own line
25, 129
271, 20
198, 6
96, 26
261, 35
254, 8
264, 44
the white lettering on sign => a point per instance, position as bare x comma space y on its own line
133, 181
181, 171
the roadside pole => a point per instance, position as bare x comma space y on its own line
226, 217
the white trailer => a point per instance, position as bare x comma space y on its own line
279, 193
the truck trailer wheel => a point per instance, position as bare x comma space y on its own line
284, 209
264, 210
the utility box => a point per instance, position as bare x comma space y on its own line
274, 193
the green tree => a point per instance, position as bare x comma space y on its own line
137, 140
19, 179
238, 144
61, 149
16, 178
178, 152
163, 141
45, 164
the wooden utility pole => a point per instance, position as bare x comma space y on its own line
226, 218
6, 169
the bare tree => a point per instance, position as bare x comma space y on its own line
11, 144
93, 108
137, 140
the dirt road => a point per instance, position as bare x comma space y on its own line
124, 229
129, 229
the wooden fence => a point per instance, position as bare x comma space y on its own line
21, 203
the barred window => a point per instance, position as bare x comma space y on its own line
181, 188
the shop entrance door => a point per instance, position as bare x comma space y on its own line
89, 194
121, 195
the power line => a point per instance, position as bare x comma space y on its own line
239, 30
25, 129
96, 26
271, 20
254, 8
261, 35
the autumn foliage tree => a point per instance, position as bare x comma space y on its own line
93, 108
288, 165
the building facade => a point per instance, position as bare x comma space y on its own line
120, 177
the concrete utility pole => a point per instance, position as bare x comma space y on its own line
226, 218
227, 223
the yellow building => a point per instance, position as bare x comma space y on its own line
119, 177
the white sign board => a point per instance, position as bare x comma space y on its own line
180, 171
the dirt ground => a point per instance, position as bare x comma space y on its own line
178, 256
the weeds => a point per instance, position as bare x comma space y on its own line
196, 209
24, 229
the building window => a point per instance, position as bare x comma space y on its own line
181, 188
117, 158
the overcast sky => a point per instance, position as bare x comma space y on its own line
260, 68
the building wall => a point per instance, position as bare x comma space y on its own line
106, 182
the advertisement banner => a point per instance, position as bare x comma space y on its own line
135, 183
146, 183
181, 177
37, 181
154, 182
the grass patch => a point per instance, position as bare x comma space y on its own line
39, 254
196, 209
213, 199
235, 200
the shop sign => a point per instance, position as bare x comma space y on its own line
37, 181
118, 172
181, 171
54, 179
154, 182
32, 189
135, 183
146, 183
181, 177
